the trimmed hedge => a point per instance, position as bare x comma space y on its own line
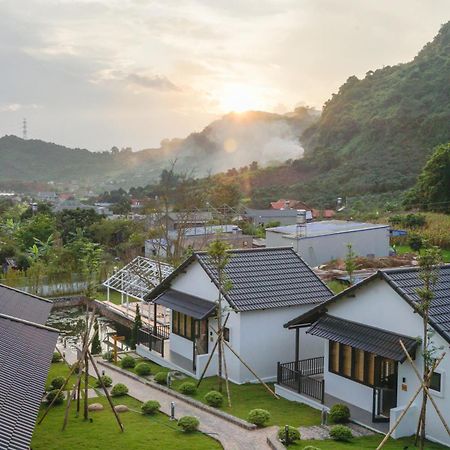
143, 369
339, 413
161, 377
259, 417
108, 356
127, 362
293, 435
56, 357
341, 433
57, 382
119, 390
151, 407
214, 398
52, 394
107, 381
188, 423
188, 388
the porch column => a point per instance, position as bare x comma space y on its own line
297, 347
154, 317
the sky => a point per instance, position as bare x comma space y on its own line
101, 73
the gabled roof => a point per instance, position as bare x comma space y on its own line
405, 282
24, 306
261, 278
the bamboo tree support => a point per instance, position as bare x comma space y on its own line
227, 384
86, 385
249, 368
100, 379
66, 413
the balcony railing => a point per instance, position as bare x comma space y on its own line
299, 376
154, 338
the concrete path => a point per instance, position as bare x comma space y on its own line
231, 436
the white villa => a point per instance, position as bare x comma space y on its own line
361, 362
269, 286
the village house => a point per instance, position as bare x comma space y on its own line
268, 287
362, 363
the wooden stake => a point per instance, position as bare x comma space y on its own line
227, 385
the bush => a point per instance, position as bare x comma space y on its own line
119, 390
143, 369
52, 394
214, 398
293, 435
108, 356
161, 378
76, 367
260, 417
188, 423
415, 241
107, 381
341, 433
188, 388
127, 362
57, 382
56, 357
150, 407
339, 413
310, 447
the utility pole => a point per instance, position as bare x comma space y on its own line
24, 128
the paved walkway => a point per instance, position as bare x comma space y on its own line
231, 436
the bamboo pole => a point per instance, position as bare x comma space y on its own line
86, 385
227, 384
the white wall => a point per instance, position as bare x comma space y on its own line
318, 250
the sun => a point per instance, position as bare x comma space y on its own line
239, 98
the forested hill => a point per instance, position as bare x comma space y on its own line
376, 134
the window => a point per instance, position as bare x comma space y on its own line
346, 358
435, 382
358, 366
226, 334
183, 325
334, 357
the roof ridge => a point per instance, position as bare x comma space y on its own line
25, 293
389, 270
27, 322
244, 250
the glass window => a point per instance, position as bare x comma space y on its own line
370, 367
435, 382
188, 333
346, 359
226, 334
334, 356
359, 365
182, 324
175, 322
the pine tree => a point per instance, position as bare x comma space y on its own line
96, 347
136, 327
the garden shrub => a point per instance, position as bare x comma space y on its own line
108, 356
53, 394
76, 367
119, 390
310, 447
161, 378
214, 398
143, 369
57, 382
188, 423
341, 433
188, 388
293, 435
150, 407
107, 381
56, 357
260, 417
415, 241
339, 413
127, 362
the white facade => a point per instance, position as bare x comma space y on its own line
316, 247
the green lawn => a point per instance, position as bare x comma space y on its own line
114, 297
401, 249
61, 369
141, 432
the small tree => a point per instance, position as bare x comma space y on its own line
96, 346
137, 325
350, 262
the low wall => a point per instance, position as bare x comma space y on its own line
68, 302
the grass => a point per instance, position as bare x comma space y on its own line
402, 249
336, 286
114, 297
61, 369
141, 432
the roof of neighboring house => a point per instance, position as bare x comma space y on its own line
326, 227
187, 304
283, 204
24, 306
270, 213
405, 281
26, 351
363, 337
208, 229
261, 279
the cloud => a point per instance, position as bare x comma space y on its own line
14, 107
158, 82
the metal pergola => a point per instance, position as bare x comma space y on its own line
138, 278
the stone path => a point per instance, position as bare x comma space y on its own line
231, 436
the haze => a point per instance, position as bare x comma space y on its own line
95, 74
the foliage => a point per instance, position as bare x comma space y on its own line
119, 390
415, 241
409, 220
127, 362
57, 382
188, 388
56, 357
96, 347
214, 398
260, 417
188, 423
339, 413
137, 325
160, 377
108, 356
293, 435
107, 381
350, 262
341, 433
143, 369
150, 407
53, 394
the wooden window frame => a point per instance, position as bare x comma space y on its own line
188, 323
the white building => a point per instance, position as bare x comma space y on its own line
321, 242
268, 287
364, 364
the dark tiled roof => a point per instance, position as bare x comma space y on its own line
24, 306
25, 356
363, 337
187, 304
407, 281
268, 278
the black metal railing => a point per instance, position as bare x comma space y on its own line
154, 338
298, 376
